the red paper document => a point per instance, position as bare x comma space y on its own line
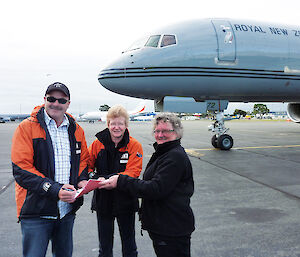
91, 185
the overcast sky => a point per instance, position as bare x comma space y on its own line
71, 41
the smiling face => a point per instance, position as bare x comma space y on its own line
117, 127
164, 132
56, 110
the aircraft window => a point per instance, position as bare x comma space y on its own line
153, 41
168, 40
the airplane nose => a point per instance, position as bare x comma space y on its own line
111, 73
109, 78
130, 75
117, 69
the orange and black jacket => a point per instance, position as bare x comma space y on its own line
33, 166
107, 160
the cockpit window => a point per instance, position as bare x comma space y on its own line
168, 40
153, 41
137, 44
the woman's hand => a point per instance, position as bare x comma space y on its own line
109, 183
82, 183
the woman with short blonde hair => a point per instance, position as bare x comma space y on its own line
117, 111
115, 152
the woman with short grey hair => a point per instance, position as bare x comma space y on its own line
173, 119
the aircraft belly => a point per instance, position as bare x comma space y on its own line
207, 86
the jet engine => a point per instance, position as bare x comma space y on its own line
293, 110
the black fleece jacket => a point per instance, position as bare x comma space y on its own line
166, 189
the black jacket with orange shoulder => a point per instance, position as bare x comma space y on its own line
107, 160
33, 166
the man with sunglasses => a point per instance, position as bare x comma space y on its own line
49, 159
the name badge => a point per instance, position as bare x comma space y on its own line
124, 158
78, 148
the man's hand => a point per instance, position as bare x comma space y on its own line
67, 193
109, 183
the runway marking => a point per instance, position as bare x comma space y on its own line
262, 147
253, 179
193, 150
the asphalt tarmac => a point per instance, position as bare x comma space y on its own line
246, 200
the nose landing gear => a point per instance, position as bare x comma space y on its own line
220, 139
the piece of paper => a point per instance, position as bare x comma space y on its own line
92, 184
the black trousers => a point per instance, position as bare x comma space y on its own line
126, 225
165, 246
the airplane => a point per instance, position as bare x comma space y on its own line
144, 116
12, 117
201, 65
101, 115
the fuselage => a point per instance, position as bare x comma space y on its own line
212, 59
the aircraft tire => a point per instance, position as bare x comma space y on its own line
225, 142
214, 141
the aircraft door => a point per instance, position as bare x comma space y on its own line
226, 41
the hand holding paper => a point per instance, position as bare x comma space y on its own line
82, 183
109, 183
91, 184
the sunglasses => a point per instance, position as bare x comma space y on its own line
52, 99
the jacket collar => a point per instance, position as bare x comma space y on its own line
165, 147
105, 138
